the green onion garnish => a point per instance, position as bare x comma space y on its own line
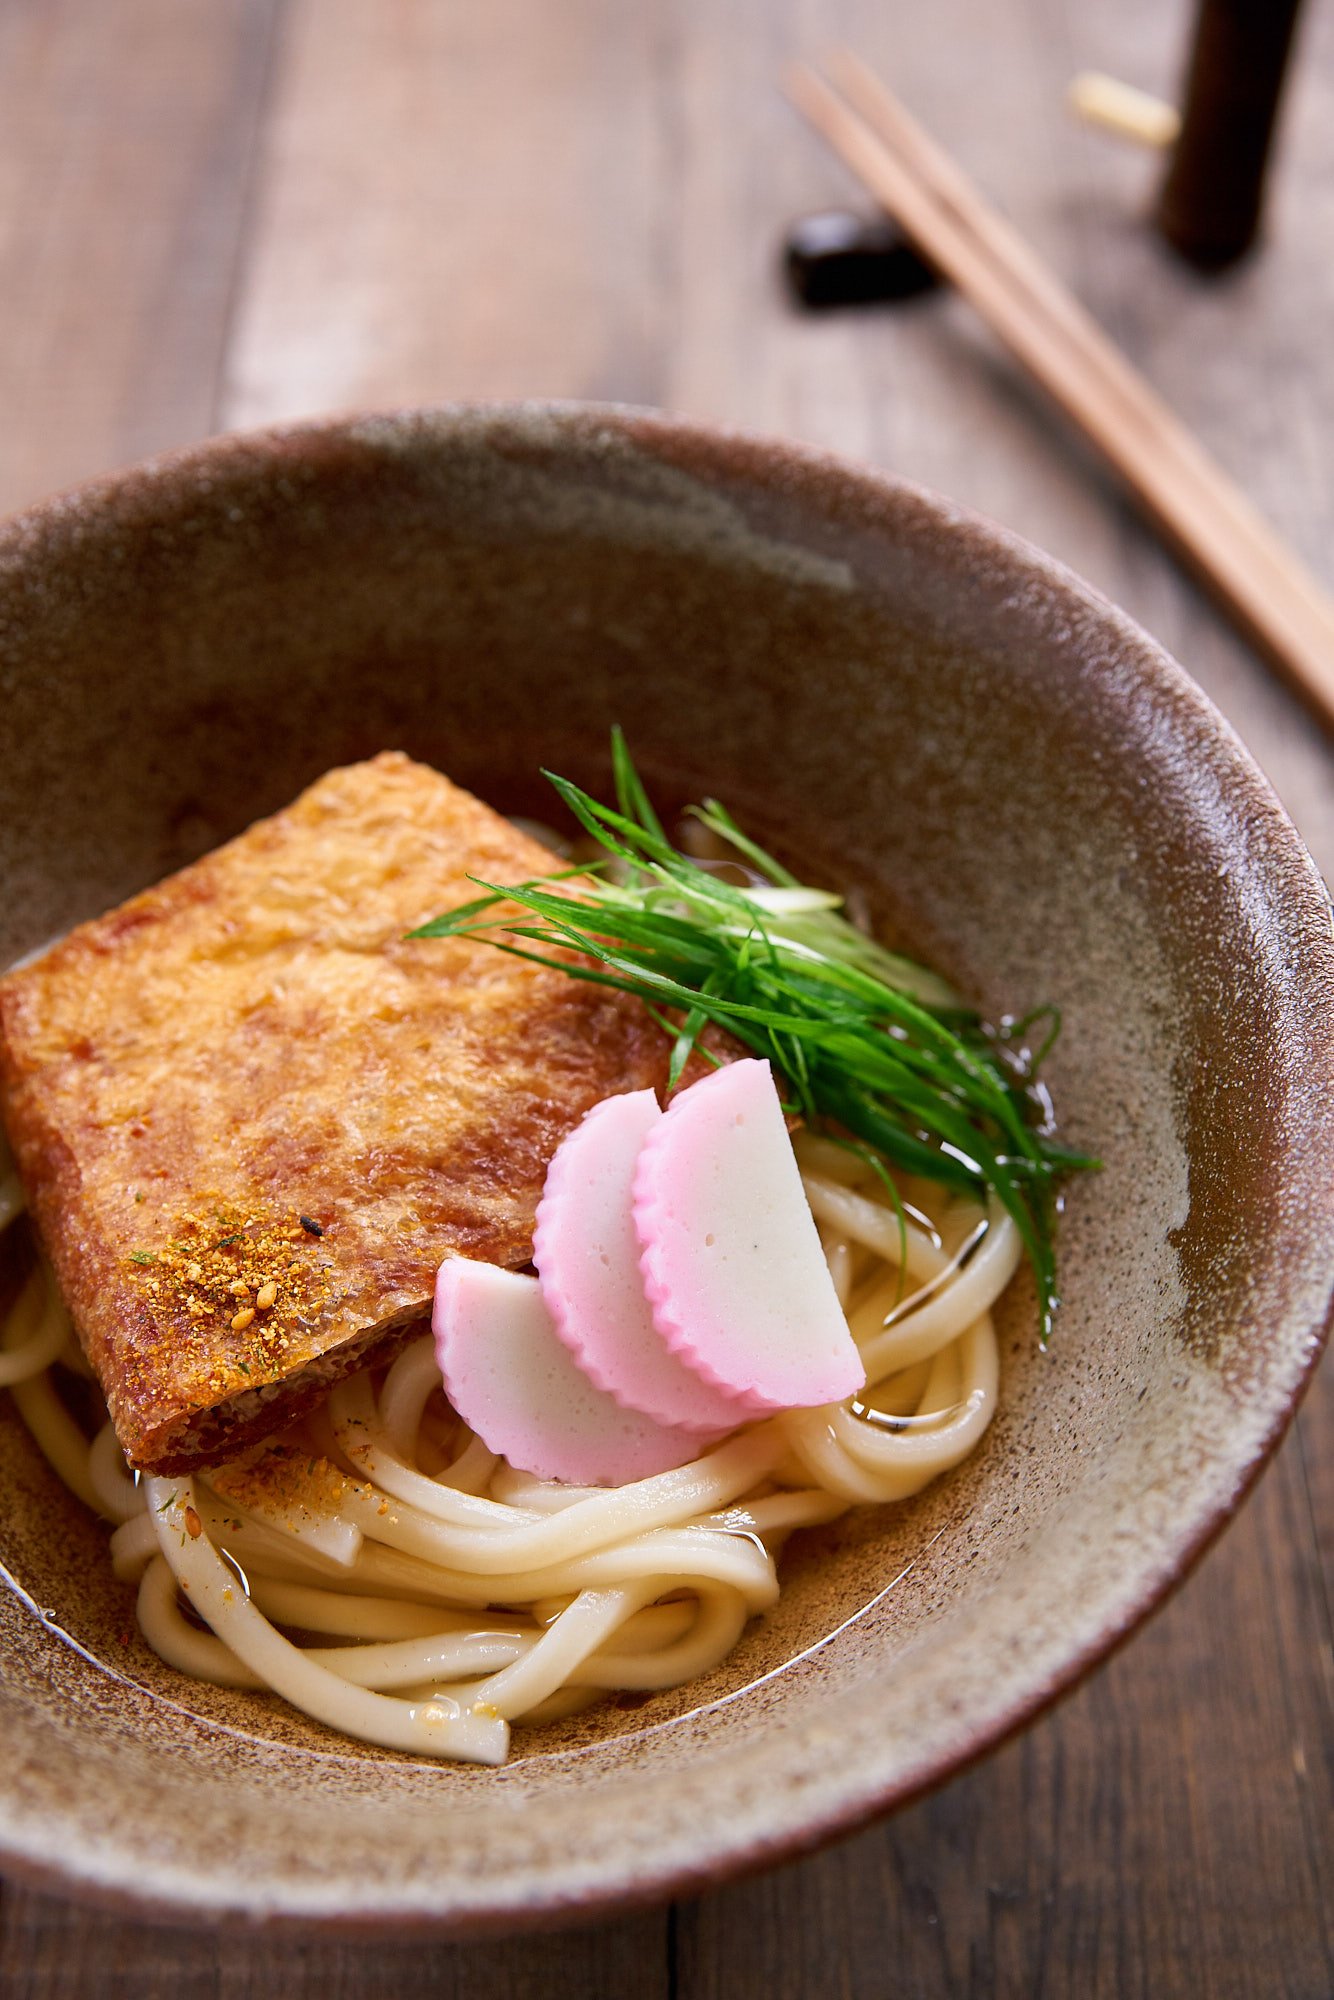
863, 1041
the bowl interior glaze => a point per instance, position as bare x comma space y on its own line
1031, 795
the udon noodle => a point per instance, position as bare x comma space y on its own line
433, 1595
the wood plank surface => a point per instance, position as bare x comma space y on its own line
217, 212
50, 1950
127, 132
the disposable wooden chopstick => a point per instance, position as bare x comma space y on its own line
1196, 507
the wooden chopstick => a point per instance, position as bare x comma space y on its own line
1138, 406
1197, 508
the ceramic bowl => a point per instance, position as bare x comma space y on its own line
1024, 787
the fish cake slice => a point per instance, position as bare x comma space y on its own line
252, 1117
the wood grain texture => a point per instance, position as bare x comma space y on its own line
127, 129
457, 202
50, 1950
587, 201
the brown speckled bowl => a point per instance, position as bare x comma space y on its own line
1032, 794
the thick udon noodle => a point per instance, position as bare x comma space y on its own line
438, 1595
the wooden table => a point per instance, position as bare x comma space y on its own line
219, 212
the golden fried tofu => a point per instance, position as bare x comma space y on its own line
252, 1118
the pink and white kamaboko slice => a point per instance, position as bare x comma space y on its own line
587, 1257
513, 1380
730, 1254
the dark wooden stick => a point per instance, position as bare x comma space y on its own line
1210, 206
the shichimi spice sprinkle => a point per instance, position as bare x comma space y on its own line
238, 1273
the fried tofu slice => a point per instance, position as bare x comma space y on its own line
252, 1117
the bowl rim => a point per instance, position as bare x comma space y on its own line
128, 1886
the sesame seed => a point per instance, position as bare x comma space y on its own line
266, 1295
243, 1319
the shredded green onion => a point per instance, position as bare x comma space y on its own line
862, 1041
